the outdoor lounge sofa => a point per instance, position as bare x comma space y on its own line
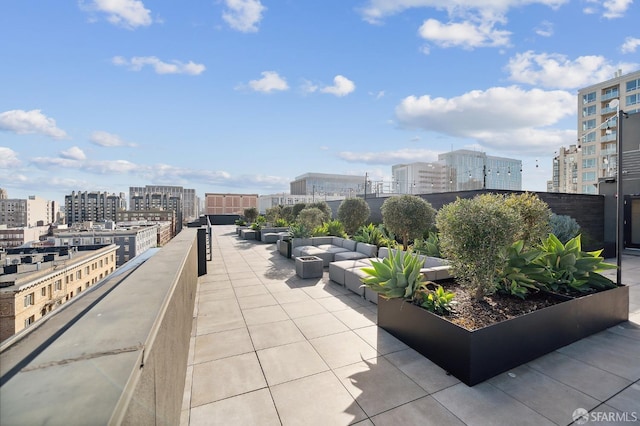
330, 249
349, 272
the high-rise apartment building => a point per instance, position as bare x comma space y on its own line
598, 126
92, 206
565, 171
33, 211
182, 200
476, 170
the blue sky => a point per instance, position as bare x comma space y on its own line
245, 95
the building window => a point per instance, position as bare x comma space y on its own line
79, 274
86, 270
28, 300
589, 97
588, 110
43, 291
29, 321
58, 285
589, 150
633, 85
633, 99
589, 124
588, 176
588, 163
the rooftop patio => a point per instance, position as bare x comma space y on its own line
270, 348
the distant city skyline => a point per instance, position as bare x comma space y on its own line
242, 96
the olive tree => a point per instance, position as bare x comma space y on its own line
324, 207
353, 213
535, 218
311, 217
407, 216
251, 214
474, 235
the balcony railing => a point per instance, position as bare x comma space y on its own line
610, 95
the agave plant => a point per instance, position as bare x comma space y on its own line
566, 267
298, 230
435, 299
376, 235
515, 278
397, 275
429, 246
333, 228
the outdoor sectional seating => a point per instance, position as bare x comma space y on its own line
349, 272
330, 249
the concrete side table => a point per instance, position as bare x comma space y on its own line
309, 267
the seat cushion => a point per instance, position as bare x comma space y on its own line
349, 255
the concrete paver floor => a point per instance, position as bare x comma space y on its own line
270, 348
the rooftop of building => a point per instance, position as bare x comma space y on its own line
266, 347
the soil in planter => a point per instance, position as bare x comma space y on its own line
495, 308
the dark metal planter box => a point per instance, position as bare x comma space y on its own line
475, 356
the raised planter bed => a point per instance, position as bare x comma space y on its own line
475, 356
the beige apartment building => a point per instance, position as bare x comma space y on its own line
33, 284
229, 203
598, 127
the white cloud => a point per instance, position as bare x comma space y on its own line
108, 139
500, 117
545, 29
553, 70
8, 158
136, 63
630, 45
73, 153
376, 10
243, 15
34, 121
615, 8
125, 13
463, 34
342, 86
269, 82
390, 157
308, 87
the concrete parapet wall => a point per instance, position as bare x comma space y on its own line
124, 360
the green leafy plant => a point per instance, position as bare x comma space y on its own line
259, 223
353, 213
298, 230
335, 228
435, 298
564, 227
369, 234
397, 275
280, 222
515, 278
311, 217
240, 222
324, 207
566, 268
534, 218
429, 246
407, 216
474, 234
251, 213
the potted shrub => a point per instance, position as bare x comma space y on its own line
570, 299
